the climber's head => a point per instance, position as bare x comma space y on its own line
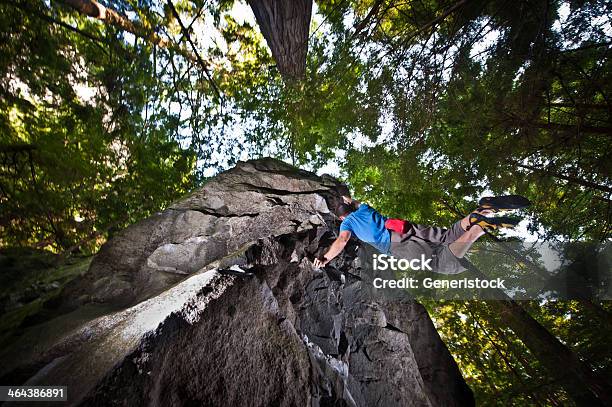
343, 210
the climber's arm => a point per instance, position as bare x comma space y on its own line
335, 249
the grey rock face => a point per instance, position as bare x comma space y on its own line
217, 303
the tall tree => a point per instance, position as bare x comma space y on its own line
285, 25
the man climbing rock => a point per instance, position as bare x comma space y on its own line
406, 240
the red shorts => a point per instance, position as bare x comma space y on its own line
397, 225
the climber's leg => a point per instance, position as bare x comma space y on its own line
435, 234
460, 246
477, 223
487, 206
442, 260
446, 246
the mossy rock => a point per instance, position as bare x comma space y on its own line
29, 279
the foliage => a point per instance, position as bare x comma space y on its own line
74, 169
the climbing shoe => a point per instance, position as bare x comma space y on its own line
503, 203
492, 223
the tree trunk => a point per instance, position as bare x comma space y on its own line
583, 385
285, 24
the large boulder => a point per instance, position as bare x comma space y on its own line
215, 301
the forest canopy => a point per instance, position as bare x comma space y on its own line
450, 99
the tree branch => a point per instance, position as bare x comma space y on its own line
195, 51
366, 21
92, 8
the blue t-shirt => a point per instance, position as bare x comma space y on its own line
369, 227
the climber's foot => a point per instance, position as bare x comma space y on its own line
492, 223
503, 203
484, 212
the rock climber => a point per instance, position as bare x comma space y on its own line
403, 239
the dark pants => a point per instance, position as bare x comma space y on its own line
432, 242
